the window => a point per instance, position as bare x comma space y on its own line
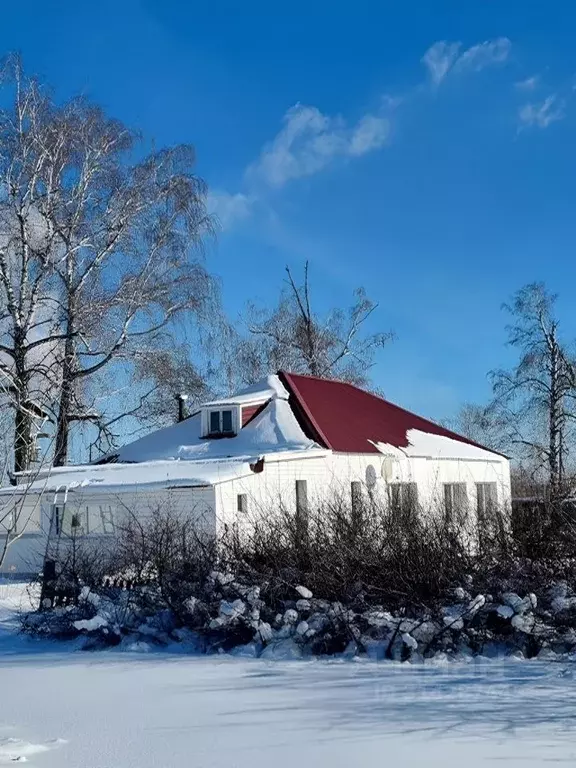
486, 499
242, 499
455, 502
226, 421
71, 522
78, 522
214, 422
486, 507
404, 499
57, 520
107, 519
220, 423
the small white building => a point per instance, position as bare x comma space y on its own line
292, 440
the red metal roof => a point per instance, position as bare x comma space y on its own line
346, 418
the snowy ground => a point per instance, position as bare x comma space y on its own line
68, 709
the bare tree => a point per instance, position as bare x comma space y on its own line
293, 336
482, 423
170, 374
98, 253
535, 401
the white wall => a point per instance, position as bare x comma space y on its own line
26, 554
332, 474
101, 514
272, 488
216, 507
430, 475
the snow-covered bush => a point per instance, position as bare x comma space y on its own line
228, 614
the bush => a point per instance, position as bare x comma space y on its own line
367, 580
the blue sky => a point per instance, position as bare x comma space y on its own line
424, 150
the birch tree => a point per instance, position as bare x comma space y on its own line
294, 336
535, 401
100, 250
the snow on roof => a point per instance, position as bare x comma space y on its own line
270, 388
178, 456
272, 430
424, 444
121, 477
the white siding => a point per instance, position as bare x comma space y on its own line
275, 486
216, 507
331, 475
26, 555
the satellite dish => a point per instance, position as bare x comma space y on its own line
388, 468
371, 476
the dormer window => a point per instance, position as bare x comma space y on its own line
221, 422
226, 419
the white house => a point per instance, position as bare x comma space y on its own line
290, 439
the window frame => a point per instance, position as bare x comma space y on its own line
219, 414
242, 503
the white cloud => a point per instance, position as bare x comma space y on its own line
230, 208
370, 134
310, 141
542, 114
443, 57
529, 84
484, 55
439, 58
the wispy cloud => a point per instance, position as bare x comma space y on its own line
542, 114
529, 84
439, 59
484, 55
230, 208
310, 141
443, 57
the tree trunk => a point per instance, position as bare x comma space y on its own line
63, 426
22, 439
554, 420
66, 394
22, 417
